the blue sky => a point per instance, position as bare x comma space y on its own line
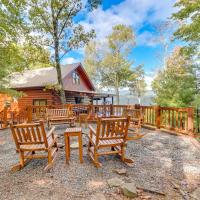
142, 16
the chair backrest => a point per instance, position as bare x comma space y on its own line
135, 116
112, 128
133, 113
33, 133
56, 113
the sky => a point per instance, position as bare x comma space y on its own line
143, 16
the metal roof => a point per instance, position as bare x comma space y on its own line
42, 76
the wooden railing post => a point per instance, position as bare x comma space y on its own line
111, 109
29, 114
157, 117
191, 121
5, 117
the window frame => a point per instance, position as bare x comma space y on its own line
75, 78
35, 100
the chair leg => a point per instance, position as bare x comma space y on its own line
49, 157
80, 148
89, 146
96, 162
21, 158
122, 153
50, 163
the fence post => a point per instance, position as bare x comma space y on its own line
191, 121
5, 117
29, 114
157, 113
111, 109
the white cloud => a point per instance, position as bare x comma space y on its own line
147, 39
69, 60
148, 80
130, 12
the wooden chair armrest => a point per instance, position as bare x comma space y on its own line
92, 130
51, 131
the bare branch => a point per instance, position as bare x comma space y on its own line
60, 10
66, 51
67, 18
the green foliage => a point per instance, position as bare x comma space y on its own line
175, 85
189, 17
16, 54
93, 62
107, 63
137, 84
53, 22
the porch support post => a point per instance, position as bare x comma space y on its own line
157, 112
104, 100
112, 100
191, 121
29, 114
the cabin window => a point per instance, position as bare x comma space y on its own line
76, 78
39, 102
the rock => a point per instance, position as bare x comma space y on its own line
115, 182
129, 190
120, 171
146, 197
60, 145
130, 164
74, 145
98, 196
196, 193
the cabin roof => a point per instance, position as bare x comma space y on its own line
45, 76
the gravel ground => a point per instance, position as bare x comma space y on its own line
160, 160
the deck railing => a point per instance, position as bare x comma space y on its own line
174, 119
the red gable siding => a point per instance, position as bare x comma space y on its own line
83, 86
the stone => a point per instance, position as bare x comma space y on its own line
60, 145
196, 193
146, 197
129, 190
120, 171
98, 196
74, 145
115, 182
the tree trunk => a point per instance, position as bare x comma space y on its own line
59, 74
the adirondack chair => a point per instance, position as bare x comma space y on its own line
32, 138
110, 134
135, 123
59, 116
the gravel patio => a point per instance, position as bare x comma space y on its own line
164, 164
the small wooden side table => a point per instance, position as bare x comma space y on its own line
76, 131
83, 117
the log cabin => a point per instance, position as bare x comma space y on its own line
36, 86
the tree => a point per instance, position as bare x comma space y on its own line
109, 62
93, 57
53, 23
189, 17
164, 31
137, 84
15, 53
175, 85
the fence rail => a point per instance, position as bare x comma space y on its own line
175, 119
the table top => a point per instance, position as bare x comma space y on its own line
74, 130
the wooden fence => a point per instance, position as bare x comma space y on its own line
174, 119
